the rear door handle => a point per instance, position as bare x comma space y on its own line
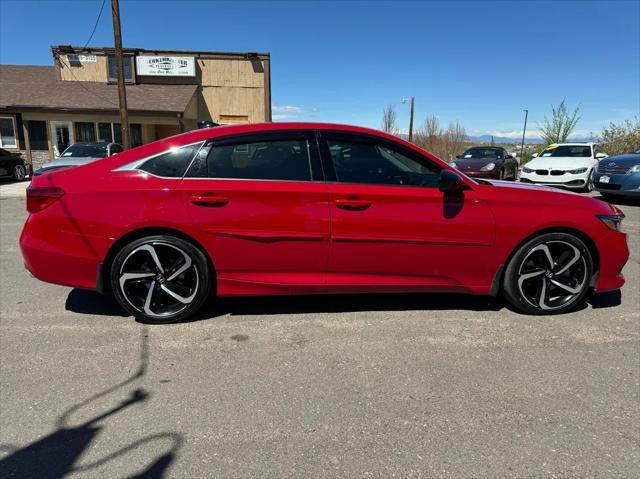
353, 204
209, 199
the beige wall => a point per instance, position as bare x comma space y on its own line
228, 86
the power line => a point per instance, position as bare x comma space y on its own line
95, 25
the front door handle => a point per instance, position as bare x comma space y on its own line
209, 199
353, 204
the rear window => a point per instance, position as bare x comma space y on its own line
85, 151
173, 163
285, 160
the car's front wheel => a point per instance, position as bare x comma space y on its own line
19, 172
589, 186
160, 279
549, 274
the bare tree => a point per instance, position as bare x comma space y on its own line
389, 117
621, 137
428, 135
562, 123
455, 138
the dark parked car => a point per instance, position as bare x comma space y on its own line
12, 165
487, 162
618, 176
81, 154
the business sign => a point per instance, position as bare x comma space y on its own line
81, 58
165, 66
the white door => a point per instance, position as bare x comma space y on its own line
62, 136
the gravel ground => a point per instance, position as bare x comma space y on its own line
348, 386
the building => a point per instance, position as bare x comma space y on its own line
43, 109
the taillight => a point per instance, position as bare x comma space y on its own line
41, 197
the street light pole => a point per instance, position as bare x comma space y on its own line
524, 131
122, 92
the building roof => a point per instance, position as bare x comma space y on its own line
65, 49
26, 87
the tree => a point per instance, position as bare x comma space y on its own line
562, 123
389, 117
493, 143
428, 135
621, 137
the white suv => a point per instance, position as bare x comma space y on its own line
568, 165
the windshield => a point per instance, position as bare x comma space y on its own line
482, 153
574, 151
80, 151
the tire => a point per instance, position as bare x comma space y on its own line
19, 172
588, 188
160, 279
531, 278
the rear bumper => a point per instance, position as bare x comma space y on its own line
59, 257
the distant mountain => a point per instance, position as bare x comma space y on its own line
517, 141
505, 139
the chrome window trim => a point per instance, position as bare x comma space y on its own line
135, 165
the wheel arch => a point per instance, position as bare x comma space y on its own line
104, 283
585, 238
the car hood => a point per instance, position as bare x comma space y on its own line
559, 162
629, 160
70, 161
475, 162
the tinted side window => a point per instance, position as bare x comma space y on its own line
173, 163
286, 160
364, 162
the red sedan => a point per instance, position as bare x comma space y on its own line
277, 209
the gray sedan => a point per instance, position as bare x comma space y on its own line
80, 154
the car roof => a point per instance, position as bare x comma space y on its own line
572, 144
247, 128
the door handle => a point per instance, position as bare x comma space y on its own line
209, 199
353, 204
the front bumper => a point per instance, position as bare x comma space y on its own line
623, 185
566, 180
614, 253
489, 175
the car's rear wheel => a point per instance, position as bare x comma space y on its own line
160, 279
19, 172
550, 274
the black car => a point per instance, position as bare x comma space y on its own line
13, 166
487, 162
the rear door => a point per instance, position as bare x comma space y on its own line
262, 205
392, 229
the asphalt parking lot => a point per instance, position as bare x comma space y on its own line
349, 386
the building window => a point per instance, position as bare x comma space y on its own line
85, 131
113, 70
8, 132
38, 135
112, 133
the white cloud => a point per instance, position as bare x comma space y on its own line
287, 109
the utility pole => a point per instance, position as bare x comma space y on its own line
404, 100
122, 92
411, 122
524, 131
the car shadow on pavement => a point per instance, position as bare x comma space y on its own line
620, 200
59, 453
91, 302
347, 303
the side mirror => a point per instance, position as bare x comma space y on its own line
535, 155
458, 157
600, 156
450, 182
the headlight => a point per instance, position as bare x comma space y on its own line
526, 170
613, 222
634, 169
577, 171
488, 167
453, 165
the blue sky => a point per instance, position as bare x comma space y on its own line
477, 62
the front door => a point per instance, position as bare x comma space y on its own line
263, 211
62, 136
392, 228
